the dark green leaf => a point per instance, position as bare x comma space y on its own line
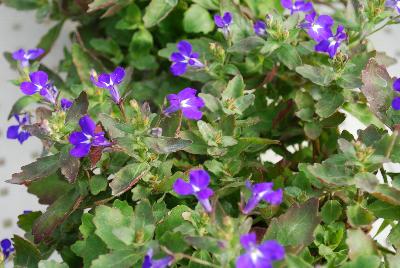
157, 10
127, 177
28, 256
322, 75
48, 40
166, 145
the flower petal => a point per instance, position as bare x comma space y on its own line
77, 138
177, 57
251, 203
87, 124
187, 93
65, 104
80, 150
248, 240
396, 103
34, 53
12, 132
206, 204
104, 81
39, 78
204, 193
28, 88
182, 187
244, 261
199, 178
218, 21
19, 55
178, 68
162, 263
192, 113
287, 4
118, 75
23, 136
272, 250
184, 47
227, 18
100, 140
274, 197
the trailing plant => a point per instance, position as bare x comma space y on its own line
156, 124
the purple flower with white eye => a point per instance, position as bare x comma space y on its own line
197, 186
161, 263
332, 44
262, 255
85, 139
15, 133
65, 104
25, 56
396, 100
186, 101
260, 27
223, 23
262, 191
6, 247
319, 28
49, 93
393, 4
183, 58
297, 6
39, 81
110, 81
27, 211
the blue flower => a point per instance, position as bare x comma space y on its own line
110, 82
6, 247
297, 6
65, 104
25, 56
262, 191
319, 28
161, 263
39, 81
332, 44
258, 256
186, 101
396, 100
260, 28
224, 23
393, 4
197, 186
85, 139
183, 58
15, 133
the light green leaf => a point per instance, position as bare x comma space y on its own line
197, 20
331, 211
322, 75
157, 10
127, 177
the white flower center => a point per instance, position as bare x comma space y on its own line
88, 138
184, 103
195, 188
398, 4
316, 27
255, 254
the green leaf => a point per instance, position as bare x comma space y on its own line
115, 225
394, 236
234, 89
174, 241
296, 226
172, 220
127, 177
83, 63
208, 132
41, 168
69, 165
27, 254
360, 244
328, 104
362, 112
112, 127
78, 109
48, 40
100, 4
331, 211
322, 75
89, 249
296, 262
247, 45
289, 56
118, 258
21, 104
384, 210
158, 10
197, 20
109, 48
56, 214
51, 264
359, 216
377, 88
313, 130
55, 182
166, 145
364, 262
333, 171
97, 184
22, 4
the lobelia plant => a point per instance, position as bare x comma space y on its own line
159, 161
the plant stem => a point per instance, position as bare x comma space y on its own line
191, 258
392, 143
122, 109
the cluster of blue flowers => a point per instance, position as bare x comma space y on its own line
255, 256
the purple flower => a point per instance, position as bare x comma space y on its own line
260, 28
396, 103
15, 133
39, 82
27, 211
297, 6
184, 57
319, 28
396, 85
186, 101
25, 56
86, 138
161, 263
6, 247
332, 44
110, 82
49, 93
223, 23
262, 191
393, 4
259, 255
197, 186
65, 104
